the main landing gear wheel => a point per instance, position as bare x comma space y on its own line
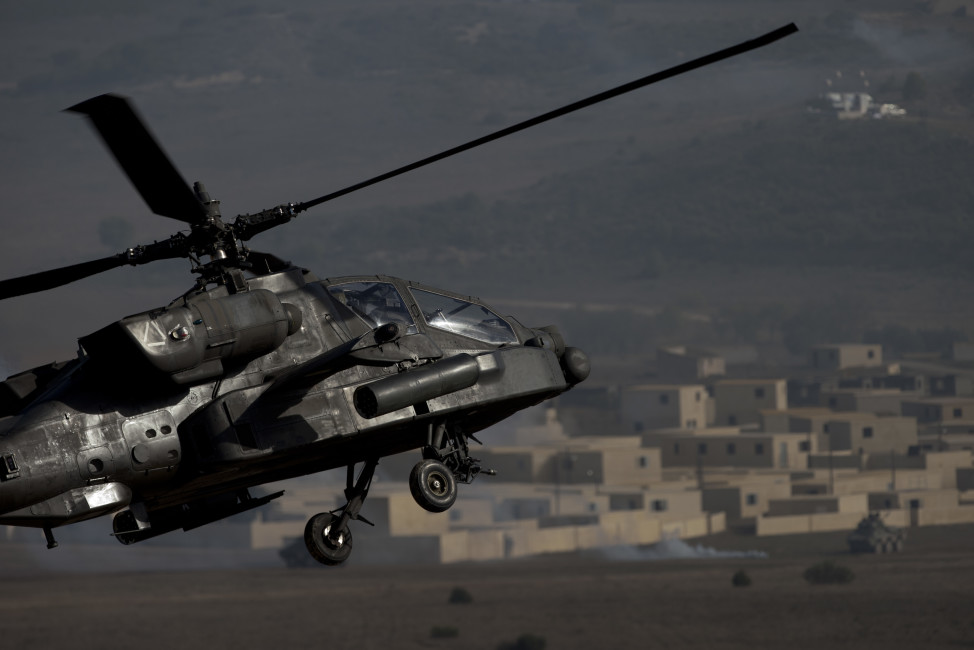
324, 545
433, 486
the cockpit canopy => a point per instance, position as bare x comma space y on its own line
380, 302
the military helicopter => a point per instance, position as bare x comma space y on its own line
263, 372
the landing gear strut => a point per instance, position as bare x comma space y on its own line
327, 535
433, 481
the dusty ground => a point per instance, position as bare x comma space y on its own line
918, 599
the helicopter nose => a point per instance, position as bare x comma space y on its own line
574, 362
576, 365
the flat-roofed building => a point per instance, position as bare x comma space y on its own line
663, 406
609, 460
743, 501
638, 466
805, 419
741, 401
516, 464
686, 365
814, 504
870, 433
838, 356
940, 409
951, 386
889, 378
902, 499
585, 411
947, 436
963, 351
947, 462
866, 400
720, 448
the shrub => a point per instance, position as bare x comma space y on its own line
828, 573
741, 579
524, 642
460, 596
444, 632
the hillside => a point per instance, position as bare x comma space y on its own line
706, 193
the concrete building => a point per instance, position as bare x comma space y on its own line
807, 392
680, 364
517, 464
940, 409
723, 448
611, 467
963, 351
743, 503
839, 356
811, 504
663, 406
952, 386
587, 411
946, 462
947, 436
866, 400
741, 401
917, 384
870, 433
811, 421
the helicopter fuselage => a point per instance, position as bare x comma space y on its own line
281, 376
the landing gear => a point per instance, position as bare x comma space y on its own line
326, 542
433, 486
433, 482
327, 535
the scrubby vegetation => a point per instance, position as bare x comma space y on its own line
525, 642
444, 632
460, 596
828, 573
741, 579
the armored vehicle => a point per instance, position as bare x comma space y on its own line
872, 535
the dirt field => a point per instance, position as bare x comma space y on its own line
918, 599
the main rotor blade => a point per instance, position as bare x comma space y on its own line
57, 277
746, 46
141, 158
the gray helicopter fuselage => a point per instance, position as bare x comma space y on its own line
283, 376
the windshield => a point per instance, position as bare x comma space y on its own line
377, 303
463, 317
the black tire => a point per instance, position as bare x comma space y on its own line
320, 546
433, 486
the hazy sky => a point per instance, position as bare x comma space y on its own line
278, 102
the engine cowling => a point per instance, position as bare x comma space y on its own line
192, 341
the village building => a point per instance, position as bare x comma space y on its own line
585, 411
741, 401
725, 447
940, 409
680, 364
951, 386
866, 400
869, 433
839, 356
663, 406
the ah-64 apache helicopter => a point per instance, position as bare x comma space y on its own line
262, 372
